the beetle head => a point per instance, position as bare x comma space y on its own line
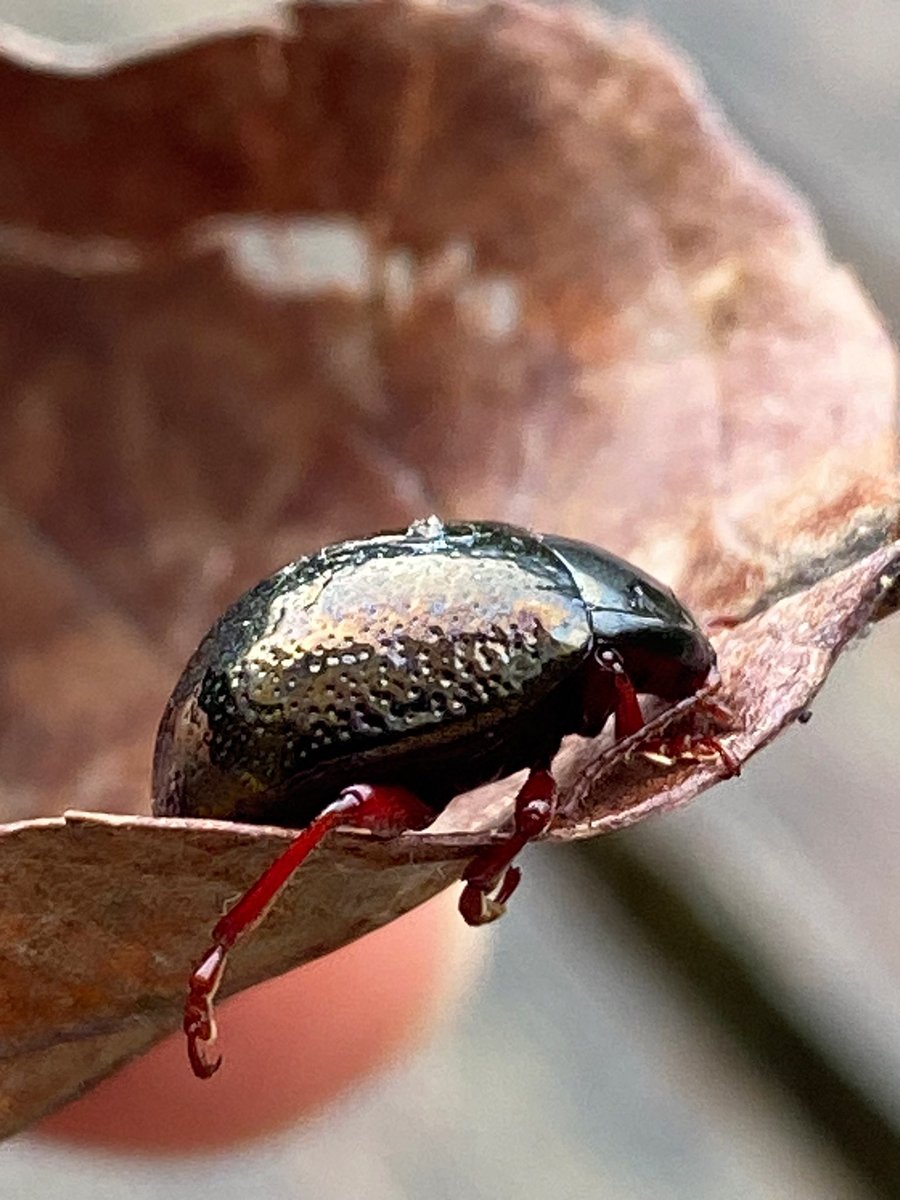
663, 649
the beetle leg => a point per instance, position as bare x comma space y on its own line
492, 870
694, 745
384, 810
716, 711
628, 716
724, 621
690, 747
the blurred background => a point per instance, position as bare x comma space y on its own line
705, 1008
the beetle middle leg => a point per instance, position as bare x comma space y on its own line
382, 809
490, 877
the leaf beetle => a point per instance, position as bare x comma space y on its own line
370, 683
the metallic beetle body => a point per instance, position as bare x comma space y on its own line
436, 659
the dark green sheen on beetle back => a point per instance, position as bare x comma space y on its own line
435, 658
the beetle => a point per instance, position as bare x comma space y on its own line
370, 683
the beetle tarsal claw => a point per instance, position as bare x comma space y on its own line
198, 1046
479, 906
202, 1035
199, 1018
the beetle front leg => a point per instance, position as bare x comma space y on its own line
625, 704
696, 743
492, 870
384, 810
687, 746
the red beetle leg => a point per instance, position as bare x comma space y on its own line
629, 718
490, 878
625, 705
716, 711
384, 810
723, 621
689, 747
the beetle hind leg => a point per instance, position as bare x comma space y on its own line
384, 810
490, 878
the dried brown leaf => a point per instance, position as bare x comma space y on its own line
553, 290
